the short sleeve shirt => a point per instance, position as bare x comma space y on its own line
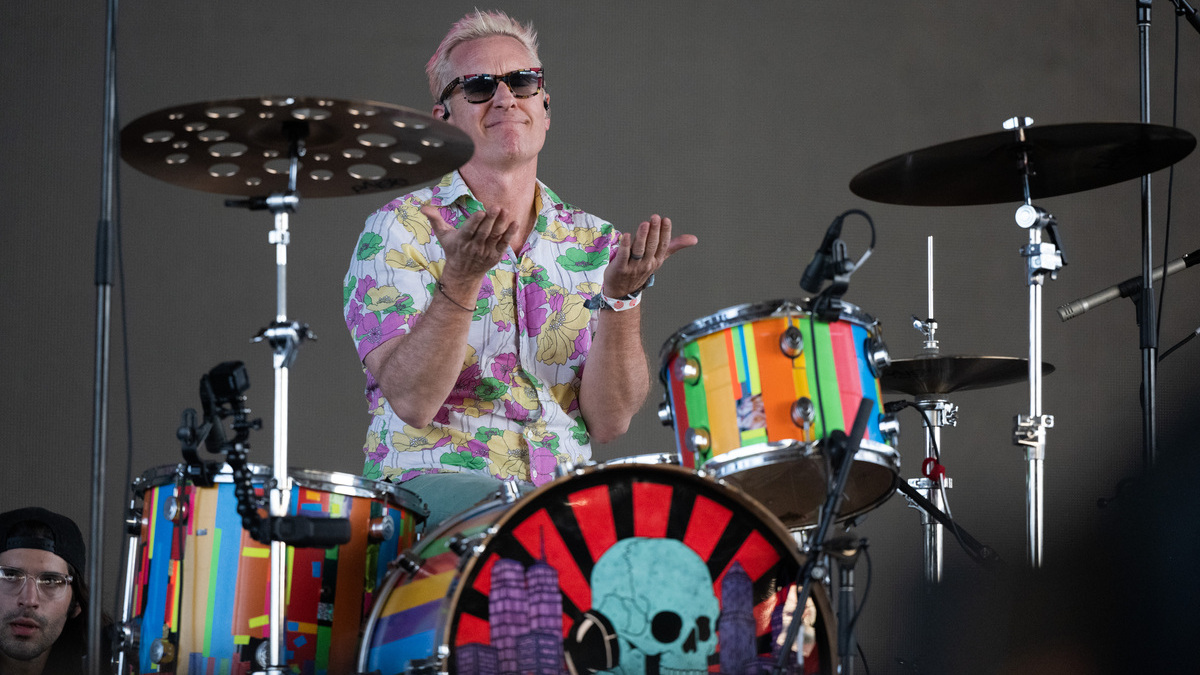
514, 411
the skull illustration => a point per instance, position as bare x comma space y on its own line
658, 595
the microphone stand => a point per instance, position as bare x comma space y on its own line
982, 553
104, 263
843, 448
1147, 315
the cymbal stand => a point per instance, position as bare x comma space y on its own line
1041, 258
937, 412
284, 337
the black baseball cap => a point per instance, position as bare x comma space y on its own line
65, 541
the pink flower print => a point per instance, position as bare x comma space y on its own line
477, 448
563, 214
542, 462
354, 314
602, 242
536, 308
374, 333
503, 367
364, 284
583, 343
516, 412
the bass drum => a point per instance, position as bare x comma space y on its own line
200, 585
621, 567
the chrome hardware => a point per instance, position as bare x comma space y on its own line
686, 369
791, 343
803, 412
889, 426
698, 440
175, 510
878, 357
381, 529
665, 414
162, 652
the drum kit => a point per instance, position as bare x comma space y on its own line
691, 560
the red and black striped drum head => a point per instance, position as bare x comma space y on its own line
618, 568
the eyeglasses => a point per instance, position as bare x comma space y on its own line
480, 88
50, 585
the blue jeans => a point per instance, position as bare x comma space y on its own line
448, 494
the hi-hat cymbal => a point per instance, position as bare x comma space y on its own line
946, 374
242, 146
987, 169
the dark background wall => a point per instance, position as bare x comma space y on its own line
743, 123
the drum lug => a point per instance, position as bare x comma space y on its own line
791, 343
803, 412
407, 563
889, 426
686, 369
127, 635
877, 353
463, 546
665, 415
176, 511
698, 440
509, 492
162, 652
381, 528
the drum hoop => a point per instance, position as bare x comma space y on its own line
335, 482
469, 564
739, 315
730, 463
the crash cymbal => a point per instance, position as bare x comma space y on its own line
946, 374
241, 146
1064, 158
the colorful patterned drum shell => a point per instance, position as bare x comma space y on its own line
201, 587
613, 565
753, 390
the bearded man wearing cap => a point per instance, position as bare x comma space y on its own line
43, 595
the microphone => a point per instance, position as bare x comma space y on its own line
817, 270
1181, 7
304, 532
1126, 288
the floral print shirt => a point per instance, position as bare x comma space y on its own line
514, 411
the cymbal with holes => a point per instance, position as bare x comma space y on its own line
243, 146
1063, 158
947, 374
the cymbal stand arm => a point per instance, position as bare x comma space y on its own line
1041, 258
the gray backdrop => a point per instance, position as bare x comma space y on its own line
744, 123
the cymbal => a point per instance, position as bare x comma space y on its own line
1064, 158
242, 146
946, 374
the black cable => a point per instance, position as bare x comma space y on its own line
937, 456
866, 589
1170, 187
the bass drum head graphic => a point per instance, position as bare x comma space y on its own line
622, 568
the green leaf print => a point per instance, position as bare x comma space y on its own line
368, 245
490, 389
577, 259
372, 471
462, 458
348, 290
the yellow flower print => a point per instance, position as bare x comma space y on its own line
556, 342
509, 455
475, 408
565, 394
585, 235
408, 258
505, 309
556, 231
416, 440
588, 287
410, 216
382, 298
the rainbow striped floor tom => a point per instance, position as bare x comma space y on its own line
753, 390
201, 585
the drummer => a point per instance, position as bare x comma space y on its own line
499, 326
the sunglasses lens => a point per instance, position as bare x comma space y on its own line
524, 83
479, 88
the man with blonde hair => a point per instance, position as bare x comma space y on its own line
499, 326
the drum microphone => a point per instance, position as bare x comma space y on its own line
818, 269
305, 532
1125, 289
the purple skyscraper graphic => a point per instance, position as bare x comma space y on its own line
508, 612
736, 628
